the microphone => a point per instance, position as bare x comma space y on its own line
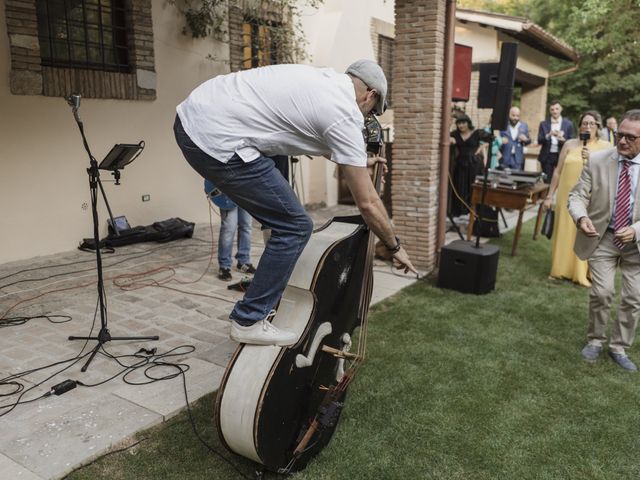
584, 136
74, 100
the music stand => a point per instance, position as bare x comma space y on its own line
119, 156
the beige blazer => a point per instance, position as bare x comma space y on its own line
593, 197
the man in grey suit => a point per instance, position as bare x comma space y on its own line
605, 205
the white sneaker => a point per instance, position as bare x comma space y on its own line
262, 333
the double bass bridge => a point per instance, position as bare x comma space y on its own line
323, 330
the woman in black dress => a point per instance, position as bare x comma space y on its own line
466, 163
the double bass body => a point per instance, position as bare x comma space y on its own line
279, 406
269, 395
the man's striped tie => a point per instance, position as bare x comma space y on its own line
622, 210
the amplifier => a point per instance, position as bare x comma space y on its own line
468, 269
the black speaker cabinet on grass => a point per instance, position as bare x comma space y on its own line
468, 269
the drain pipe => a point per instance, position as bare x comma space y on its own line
565, 71
445, 123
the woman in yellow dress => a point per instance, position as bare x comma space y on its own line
564, 263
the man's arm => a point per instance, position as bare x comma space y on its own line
373, 211
541, 135
527, 141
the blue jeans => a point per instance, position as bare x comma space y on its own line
235, 218
261, 190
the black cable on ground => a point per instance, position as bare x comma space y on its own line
148, 360
16, 321
11, 380
195, 431
9, 407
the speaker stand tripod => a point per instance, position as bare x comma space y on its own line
103, 335
455, 226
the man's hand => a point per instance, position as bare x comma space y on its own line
401, 260
584, 153
523, 138
505, 140
587, 227
371, 161
625, 235
373, 212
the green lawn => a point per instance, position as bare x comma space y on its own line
455, 387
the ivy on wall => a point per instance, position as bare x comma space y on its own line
280, 18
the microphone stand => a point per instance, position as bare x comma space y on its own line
485, 181
94, 182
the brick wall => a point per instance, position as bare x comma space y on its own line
418, 80
265, 10
29, 77
534, 108
22, 27
236, 18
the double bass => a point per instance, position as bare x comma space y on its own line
280, 406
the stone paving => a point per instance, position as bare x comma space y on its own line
50, 437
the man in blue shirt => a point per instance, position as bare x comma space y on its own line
232, 219
514, 140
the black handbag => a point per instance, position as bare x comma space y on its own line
488, 227
547, 223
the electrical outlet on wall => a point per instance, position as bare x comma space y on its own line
146, 197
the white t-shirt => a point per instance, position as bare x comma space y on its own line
276, 110
514, 131
554, 140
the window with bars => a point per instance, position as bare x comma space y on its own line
385, 60
258, 46
83, 34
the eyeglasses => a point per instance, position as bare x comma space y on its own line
589, 124
627, 136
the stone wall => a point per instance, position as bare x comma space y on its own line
29, 77
236, 19
534, 108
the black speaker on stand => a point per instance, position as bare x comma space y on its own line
487, 84
469, 267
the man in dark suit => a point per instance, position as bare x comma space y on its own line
551, 136
514, 138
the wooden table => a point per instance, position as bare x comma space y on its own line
521, 199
